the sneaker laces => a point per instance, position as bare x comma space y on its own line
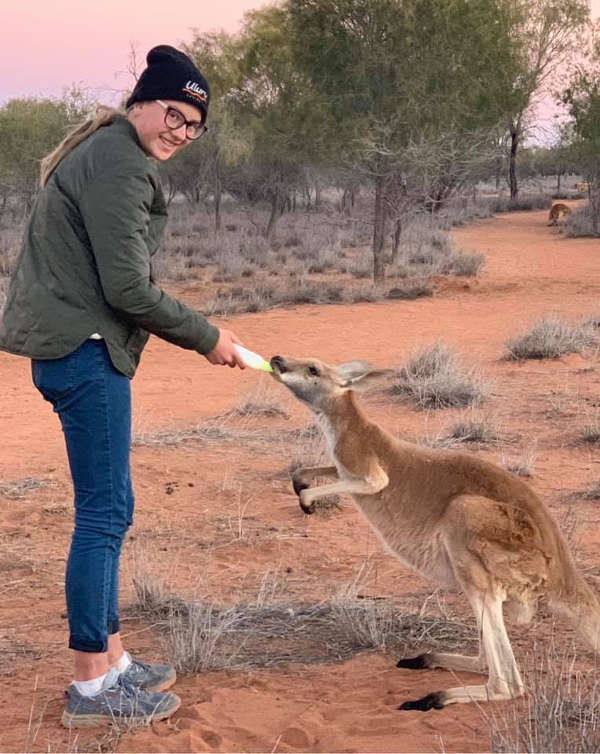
130, 689
138, 666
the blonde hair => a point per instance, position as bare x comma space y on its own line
102, 117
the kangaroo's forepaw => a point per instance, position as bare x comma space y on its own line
431, 701
413, 663
299, 485
308, 509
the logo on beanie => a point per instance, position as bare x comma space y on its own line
195, 91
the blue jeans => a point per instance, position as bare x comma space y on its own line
93, 401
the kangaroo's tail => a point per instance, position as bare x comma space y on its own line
581, 605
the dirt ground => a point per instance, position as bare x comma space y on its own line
213, 517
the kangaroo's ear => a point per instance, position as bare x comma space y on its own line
354, 370
360, 375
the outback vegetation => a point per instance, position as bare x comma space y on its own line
323, 155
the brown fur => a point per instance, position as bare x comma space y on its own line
455, 518
558, 211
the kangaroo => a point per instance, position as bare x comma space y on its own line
558, 211
454, 518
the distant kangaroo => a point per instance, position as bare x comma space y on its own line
452, 517
558, 211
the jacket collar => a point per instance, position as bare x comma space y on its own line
124, 126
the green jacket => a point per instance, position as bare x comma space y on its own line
85, 263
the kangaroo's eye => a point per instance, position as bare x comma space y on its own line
314, 371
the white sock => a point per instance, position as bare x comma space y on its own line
124, 662
90, 688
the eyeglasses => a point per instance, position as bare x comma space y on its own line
174, 119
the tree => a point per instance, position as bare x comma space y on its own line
400, 74
582, 97
547, 34
559, 159
29, 129
198, 172
274, 112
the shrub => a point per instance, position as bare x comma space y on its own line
590, 432
432, 251
434, 378
580, 224
462, 263
411, 290
473, 430
523, 203
551, 338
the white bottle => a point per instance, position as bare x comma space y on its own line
252, 359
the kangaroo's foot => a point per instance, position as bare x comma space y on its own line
431, 701
414, 663
445, 660
490, 692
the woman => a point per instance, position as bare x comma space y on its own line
81, 303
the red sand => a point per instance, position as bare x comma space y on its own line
214, 518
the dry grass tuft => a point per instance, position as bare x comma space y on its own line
435, 378
203, 636
561, 712
21, 488
263, 401
551, 338
271, 631
467, 431
592, 492
474, 431
524, 464
198, 637
216, 430
152, 595
590, 431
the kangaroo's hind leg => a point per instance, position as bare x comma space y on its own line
504, 680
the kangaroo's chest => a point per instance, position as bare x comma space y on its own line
416, 545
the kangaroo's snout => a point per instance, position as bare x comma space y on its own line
278, 363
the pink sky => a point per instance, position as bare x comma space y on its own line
51, 44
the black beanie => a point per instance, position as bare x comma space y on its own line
171, 75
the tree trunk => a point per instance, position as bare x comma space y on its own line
379, 230
396, 245
273, 216
218, 192
594, 198
307, 197
558, 177
515, 134
344, 203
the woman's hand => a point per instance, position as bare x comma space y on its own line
224, 352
